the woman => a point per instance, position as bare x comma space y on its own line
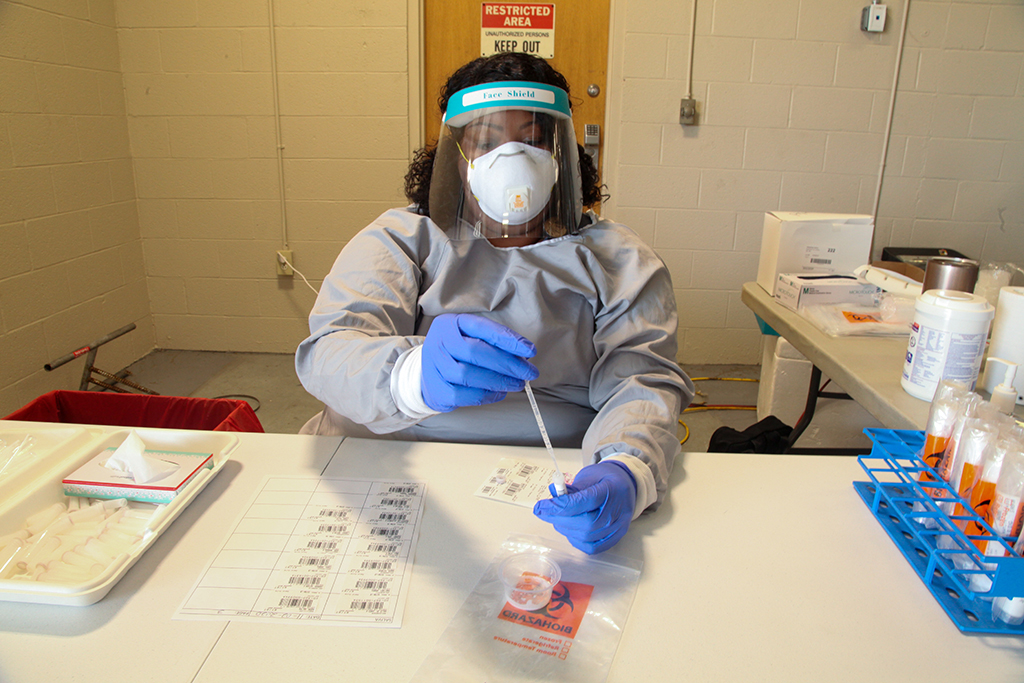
434, 316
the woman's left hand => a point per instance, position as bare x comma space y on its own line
597, 508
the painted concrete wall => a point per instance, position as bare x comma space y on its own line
140, 181
793, 101
72, 265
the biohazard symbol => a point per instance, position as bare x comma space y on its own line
560, 601
561, 616
860, 317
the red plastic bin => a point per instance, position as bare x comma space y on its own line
140, 410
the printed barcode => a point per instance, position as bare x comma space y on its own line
302, 603
393, 516
371, 585
402, 489
395, 502
487, 490
381, 531
323, 545
513, 488
369, 605
528, 469
334, 528
377, 564
340, 514
382, 548
305, 580
825, 261
315, 561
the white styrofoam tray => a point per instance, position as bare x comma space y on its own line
62, 449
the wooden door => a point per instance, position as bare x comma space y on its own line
451, 37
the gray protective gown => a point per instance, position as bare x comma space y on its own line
598, 306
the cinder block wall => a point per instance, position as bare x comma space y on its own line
793, 100
71, 264
138, 155
201, 102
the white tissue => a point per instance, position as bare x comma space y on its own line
130, 457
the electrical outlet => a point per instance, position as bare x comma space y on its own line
688, 111
282, 267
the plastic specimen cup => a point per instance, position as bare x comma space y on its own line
528, 579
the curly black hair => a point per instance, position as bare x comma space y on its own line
504, 66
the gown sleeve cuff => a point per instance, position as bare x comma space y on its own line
646, 489
405, 384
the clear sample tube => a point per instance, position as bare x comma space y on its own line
39, 551
40, 520
76, 560
976, 442
95, 549
1005, 513
114, 503
558, 479
1010, 610
985, 488
87, 514
15, 455
941, 418
8, 557
968, 410
19, 535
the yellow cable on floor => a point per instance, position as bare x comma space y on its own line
724, 379
693, 409
705, 406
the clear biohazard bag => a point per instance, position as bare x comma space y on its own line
573, 638
847, 320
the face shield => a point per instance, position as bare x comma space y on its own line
506, 164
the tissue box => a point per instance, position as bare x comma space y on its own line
94, 480
795, 291
805, 243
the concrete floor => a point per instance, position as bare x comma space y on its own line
269, 383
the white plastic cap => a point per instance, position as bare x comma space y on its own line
1008, 610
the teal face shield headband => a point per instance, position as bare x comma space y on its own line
499, 198
470, 103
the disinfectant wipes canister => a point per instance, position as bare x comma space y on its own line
947, 340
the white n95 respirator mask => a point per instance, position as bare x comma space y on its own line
512, 183
506, 164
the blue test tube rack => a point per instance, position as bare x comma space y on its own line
918, 526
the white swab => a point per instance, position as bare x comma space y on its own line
558, 479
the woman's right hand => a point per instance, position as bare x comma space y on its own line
469, 360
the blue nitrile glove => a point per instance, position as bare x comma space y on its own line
597, 508
468, 360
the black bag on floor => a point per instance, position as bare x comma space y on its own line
770, 435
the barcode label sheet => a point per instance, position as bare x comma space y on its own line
517, 482
335, 551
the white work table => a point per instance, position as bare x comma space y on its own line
867, 368
756, 568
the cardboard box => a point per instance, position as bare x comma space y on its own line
795, 291
805, 243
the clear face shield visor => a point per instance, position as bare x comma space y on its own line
507, 164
